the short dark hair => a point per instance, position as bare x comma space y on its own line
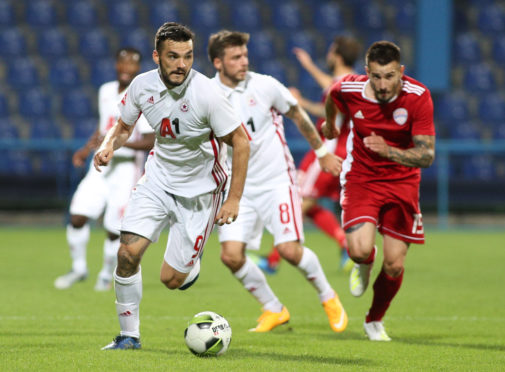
127, 50
348, 48
224, 39
172, 31
383, 52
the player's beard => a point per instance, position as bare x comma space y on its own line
235, 79
166, 78
385, 98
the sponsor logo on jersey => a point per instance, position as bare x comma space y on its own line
151, 100
184, 107
359, 115
400, 115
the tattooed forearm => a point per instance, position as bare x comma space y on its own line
305, 126
421, 155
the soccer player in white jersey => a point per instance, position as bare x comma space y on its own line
271, 196
106, 192
185, 174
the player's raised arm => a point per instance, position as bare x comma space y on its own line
329, 128
114, 139
329, 162
240, 143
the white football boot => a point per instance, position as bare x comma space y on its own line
360, 276
375, 331
69, 279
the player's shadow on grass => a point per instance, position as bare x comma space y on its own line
432, 341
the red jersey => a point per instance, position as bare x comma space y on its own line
407, 115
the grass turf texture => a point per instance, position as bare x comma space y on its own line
448, 316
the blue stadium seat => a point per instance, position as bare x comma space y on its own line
499, 132
479, 78
44, 129
275, 68
83, 128
4, 106
467, 49
22, 73
261, 46
64, 74
406, 17
8, 129
287, 15
246, 16
206, 16
19, 162
82, 14
460, 19
123, 15
54, 162
370, 18
300, 39
41, 13
76, 104
491, 19
491, 108
479, 167
140, 39
328, 18
7, 15
34, 103
13, 42
102, 71
52, 43
464, 131
452, 108
161, 12
94, 44
378, 35
498, 49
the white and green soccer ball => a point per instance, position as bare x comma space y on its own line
208, 334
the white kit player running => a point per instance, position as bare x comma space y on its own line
271, 196
185, 174
106, 192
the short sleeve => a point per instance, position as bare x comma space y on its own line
337, 97
129, 110
423, 120
282, 99
222, 117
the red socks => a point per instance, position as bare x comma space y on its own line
327, 222
274, 258
385, 289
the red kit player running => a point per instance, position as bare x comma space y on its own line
392, 137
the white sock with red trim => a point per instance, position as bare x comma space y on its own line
128, 296
311, 267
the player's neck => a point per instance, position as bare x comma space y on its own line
231, 83
342, 70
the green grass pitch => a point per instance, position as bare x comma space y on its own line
448, 316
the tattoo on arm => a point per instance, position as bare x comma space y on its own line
305, 126
421, 155
128, 238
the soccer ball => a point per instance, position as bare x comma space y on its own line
208, 334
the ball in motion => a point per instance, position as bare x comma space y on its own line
208, 334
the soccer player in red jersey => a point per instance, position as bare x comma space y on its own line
392, 137
314, 183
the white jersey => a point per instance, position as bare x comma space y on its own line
260, 99
108, 99
187, 160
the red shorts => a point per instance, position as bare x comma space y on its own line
313, 182
393, 207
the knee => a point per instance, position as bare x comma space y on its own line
393, 269
233, 260
171, 283
78, 221
127, 262
359, 251
291, 252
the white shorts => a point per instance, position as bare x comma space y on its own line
278, 210
190, 221
107, 191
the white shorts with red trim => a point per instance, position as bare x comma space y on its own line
190, 221
278, 210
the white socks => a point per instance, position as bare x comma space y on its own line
128, 296
77, 241
110, 248
309, 265
195, 270
255, 282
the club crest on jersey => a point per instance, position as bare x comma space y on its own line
252, 101
184, 107
400, 115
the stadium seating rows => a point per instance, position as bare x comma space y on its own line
56, 54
